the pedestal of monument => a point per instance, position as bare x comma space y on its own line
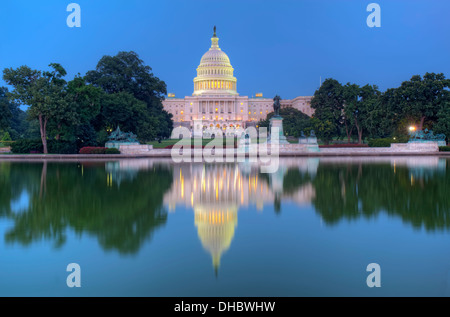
118, 144
277, 122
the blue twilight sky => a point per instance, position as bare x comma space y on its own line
275, 46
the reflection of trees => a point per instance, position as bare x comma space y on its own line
353, 190
294, 179
15, 178
82, 198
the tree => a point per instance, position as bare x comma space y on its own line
42, 91
352, 100
443, 123
328, 103
130, 114
360, 102
325, 129
127, 73
294, 121
6, 138
86, 101
422, 98
5, 109
383, 117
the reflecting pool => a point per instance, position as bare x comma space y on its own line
149, 227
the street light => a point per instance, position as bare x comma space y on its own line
412, 128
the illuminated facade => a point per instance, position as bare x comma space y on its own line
216, 102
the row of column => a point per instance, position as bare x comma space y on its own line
210, 106
215, 84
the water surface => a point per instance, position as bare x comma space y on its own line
149, 227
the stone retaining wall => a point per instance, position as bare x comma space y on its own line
134, 149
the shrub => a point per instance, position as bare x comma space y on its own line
61, 147
343, 145
27, 146
98, 150
6, 140
112, 151
444, 148
386, 142
92, 150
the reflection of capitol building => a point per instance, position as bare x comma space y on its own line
216, 192
241, 185
215, 102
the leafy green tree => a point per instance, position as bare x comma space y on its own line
130, 114
328, 105
380, 121
360, 102
20, 126
85, 100
324, 129
126, 73
443, 123
5, 109
422, 98
42, 91
294, 121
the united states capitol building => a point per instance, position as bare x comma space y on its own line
216, 103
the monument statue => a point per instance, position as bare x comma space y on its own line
312, 140
277, 122
119, 136
276, 105
427, 136
302, 139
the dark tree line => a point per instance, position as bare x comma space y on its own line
364, 112
122, 91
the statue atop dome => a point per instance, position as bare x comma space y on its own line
214, 31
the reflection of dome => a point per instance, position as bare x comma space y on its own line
216, 225
215, 73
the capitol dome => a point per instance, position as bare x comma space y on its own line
215, 73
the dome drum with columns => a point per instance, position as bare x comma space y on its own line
215, 102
